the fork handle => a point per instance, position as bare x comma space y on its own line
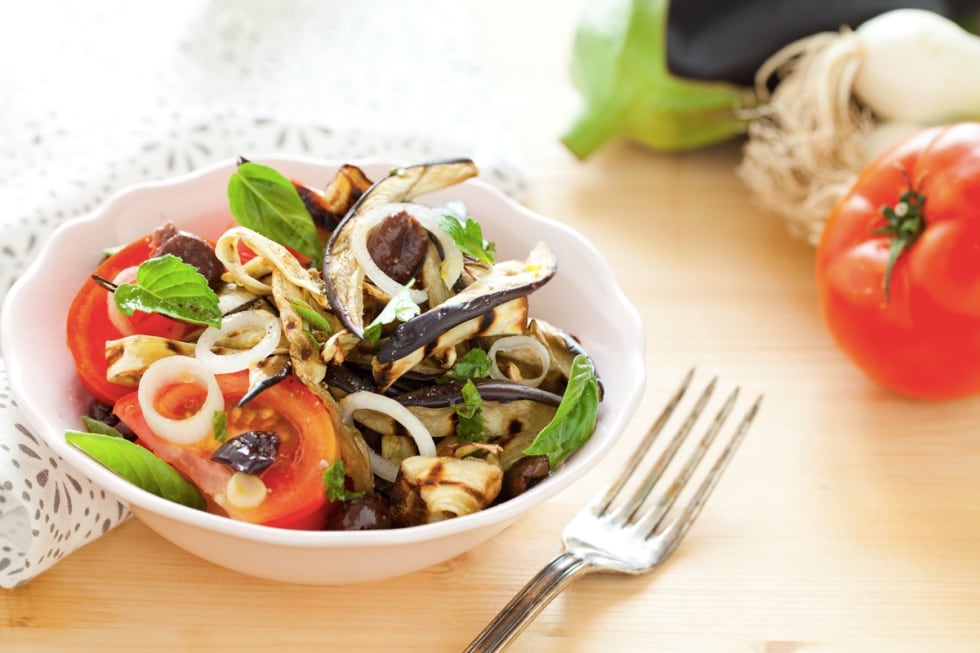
528, 603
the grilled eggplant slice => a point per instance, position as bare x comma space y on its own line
504, 282
344, 276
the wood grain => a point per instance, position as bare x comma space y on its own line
849, 521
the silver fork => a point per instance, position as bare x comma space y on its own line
626, 534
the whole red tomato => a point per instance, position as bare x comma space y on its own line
898, 266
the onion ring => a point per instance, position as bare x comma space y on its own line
179, 370
117, 317
512, 343
227, 363
367, 400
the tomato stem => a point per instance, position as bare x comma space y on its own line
905, 222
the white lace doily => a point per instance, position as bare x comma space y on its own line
139, 91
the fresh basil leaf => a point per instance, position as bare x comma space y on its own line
138, 466
167, 285
333, 480
468, 236
474, 364
263, 200
400, 307
469, 414
98, 426
575, 418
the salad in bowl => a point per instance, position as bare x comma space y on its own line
328, 358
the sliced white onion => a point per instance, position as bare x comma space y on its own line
118, 319
240, 360
245, 491
514, 343
367, 400
179, 370
452, 264
383, 467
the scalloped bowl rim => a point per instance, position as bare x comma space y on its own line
630, 372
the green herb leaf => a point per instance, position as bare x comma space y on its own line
619, 65
469, 414
138, 466
468, 236
310, 314
98, 426
168, 286
575, 418
219, 424
400, 307
333, 480
474, 364
263, 200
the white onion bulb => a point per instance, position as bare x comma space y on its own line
173, 370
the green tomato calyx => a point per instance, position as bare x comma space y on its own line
904, 223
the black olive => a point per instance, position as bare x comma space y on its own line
103, 413
365, 513
398, 245
191, 249
525, 474
251, 452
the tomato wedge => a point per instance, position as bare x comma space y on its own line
296, 496
89, 326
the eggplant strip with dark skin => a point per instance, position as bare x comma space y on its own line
504, 282
510, 410
343, 275
329, 206
508, 318
562, 347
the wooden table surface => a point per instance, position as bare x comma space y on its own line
849, 521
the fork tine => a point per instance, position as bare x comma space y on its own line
665, 500
627, 510
676, 531
614, 488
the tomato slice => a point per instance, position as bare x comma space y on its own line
88, 325
296, 496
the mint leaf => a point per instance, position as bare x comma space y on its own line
469, 414
468, 236
138, 466
333, 480
263, 200
168, 286
575, 418
474, 364
400, 307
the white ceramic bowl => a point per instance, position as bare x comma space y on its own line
583, 298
